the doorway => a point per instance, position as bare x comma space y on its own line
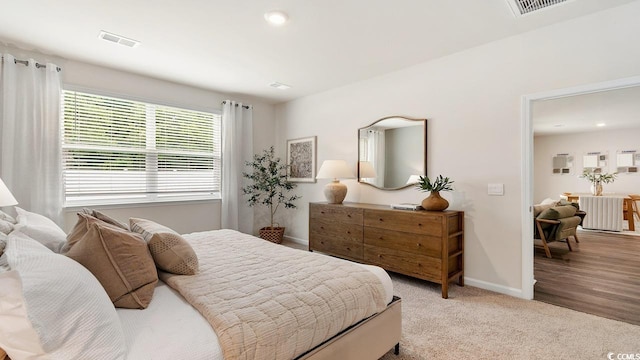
528, 101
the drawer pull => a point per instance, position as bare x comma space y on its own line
418, 244
381, 238
419, 224
381, 219
349, 232
322, 242
380, 256
348, 215
348, 249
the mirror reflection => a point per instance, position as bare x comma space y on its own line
392, 152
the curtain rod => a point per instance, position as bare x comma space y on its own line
244, 106
26, 63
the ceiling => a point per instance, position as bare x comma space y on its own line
227, 46
616, 109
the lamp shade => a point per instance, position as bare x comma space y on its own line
366, 169
334, 169
6, 198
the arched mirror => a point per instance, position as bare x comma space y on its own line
392, 152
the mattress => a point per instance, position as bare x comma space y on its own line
170, 328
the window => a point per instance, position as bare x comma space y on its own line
122, 151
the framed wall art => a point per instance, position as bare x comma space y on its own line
301, 158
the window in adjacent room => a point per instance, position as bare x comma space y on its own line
122, 151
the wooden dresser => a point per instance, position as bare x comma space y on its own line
428, 245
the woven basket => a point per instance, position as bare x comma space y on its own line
273, 234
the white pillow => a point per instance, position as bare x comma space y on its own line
5, 227
548, 201
41, 229
51, 307
7, 217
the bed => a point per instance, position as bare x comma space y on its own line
180, 320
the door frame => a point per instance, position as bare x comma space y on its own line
528, 280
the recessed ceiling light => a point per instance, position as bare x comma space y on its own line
118, 39
280, 86
276, 18
601, 124
558, 125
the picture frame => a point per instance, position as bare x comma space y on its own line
301, 159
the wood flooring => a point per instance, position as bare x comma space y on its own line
601, 276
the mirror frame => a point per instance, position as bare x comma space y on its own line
424, 143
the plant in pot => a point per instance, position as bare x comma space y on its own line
597, 179
434, 202
269, 187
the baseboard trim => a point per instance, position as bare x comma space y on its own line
494, 287
297, 240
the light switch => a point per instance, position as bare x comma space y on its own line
496, 189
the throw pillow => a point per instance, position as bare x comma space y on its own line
119, 259
558, 212
51, 307
5, 227
170, 251
106, 218
41, 229
7, 217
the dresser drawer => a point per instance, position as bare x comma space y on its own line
418, 222
420, 266
336, 213
344, 248
335, 230
414, 243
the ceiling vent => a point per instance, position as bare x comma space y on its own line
280, 86
118, 39
526, 7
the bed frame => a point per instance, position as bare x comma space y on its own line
369, 339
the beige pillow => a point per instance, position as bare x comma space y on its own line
170, 251
119, 259
104, 217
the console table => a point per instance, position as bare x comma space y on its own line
428, 245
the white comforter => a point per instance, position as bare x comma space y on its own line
266, 301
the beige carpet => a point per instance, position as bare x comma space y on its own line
479, 324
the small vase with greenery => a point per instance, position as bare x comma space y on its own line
434, 202
269, 187
597, 179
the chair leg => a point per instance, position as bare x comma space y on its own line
569, 243
575, 236
544, 240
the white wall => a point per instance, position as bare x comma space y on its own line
549, 185
183, 217
473, 102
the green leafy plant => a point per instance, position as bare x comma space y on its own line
598, 178
439, 184
269, 185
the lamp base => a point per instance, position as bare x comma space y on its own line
335, 192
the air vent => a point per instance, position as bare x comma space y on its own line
118, 39
526, 7
280, 86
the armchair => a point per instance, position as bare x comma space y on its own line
556, 223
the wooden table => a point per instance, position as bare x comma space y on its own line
628, 205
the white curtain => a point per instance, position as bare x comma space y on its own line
237, 147
30, 135
376, 153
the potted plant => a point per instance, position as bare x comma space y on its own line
269, 187
597, 179
434, 201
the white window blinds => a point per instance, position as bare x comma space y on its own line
119, 151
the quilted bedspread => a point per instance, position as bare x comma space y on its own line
266, 301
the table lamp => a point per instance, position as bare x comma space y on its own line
6, 198
335, 192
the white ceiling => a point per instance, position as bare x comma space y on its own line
616, 109
227, 46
